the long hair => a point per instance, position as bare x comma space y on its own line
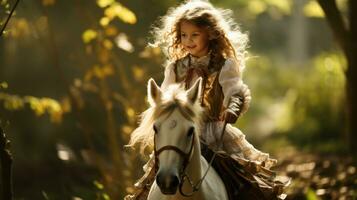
225, 38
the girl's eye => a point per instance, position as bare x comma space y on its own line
195, 34
190, 132
183, 35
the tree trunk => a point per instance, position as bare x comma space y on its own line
351, 78
347, 39
5, 165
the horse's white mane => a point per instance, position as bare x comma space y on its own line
174, 97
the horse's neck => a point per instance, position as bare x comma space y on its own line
194, 166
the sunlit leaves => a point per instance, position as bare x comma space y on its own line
19, 27
123, 13
283, 6
3, 85
89, 35
302, 106
150, 52
64, 152
107, 44
313, 9
98, 185
101, 194
127, 129
99, 72
113, 9
104, 21
3, 2
138, 73
105, 3
130, 112
111, 31
4, 11
39, 105
257, 6
12, 102
311, 195
122, 42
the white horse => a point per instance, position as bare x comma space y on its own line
176, 118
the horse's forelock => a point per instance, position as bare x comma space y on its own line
173, 98
185, 109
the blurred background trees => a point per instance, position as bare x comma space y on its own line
73, 80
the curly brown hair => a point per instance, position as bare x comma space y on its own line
225, 38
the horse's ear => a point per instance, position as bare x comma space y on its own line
154, 92
194, 92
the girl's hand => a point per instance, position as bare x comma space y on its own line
230, 117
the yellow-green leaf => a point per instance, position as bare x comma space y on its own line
89, 35
4, 85
104, 21
104, 3
313, 9
120, 11
256, 6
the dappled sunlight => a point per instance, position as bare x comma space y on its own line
299, 98
122, 42
40, 106
64, 153
115, 9
73, 80
312, 9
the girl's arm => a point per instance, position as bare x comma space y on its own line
236, 94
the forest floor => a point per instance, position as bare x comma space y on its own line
319, 176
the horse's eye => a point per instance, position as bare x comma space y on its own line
155, 129
190, 132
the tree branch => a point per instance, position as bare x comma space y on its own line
334, 18
8, 18
6, 162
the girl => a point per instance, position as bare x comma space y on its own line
202, 41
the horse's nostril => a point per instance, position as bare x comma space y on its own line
159, 180
175, 181
168, 184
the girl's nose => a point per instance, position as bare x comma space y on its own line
190, 39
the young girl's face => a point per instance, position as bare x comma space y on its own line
194, 39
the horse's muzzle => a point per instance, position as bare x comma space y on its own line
167, 182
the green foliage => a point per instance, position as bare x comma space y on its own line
104, 58
39, 106
311, 195
305, 102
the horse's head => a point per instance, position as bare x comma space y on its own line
176, 116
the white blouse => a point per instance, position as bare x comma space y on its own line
229, 78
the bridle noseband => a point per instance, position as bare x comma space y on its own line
186, 156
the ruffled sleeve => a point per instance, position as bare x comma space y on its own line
169, 76
230, 79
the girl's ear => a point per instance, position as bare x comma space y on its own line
154, 92
194, 92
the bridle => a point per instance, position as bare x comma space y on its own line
186, 157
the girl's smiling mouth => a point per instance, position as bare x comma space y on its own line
191, 47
